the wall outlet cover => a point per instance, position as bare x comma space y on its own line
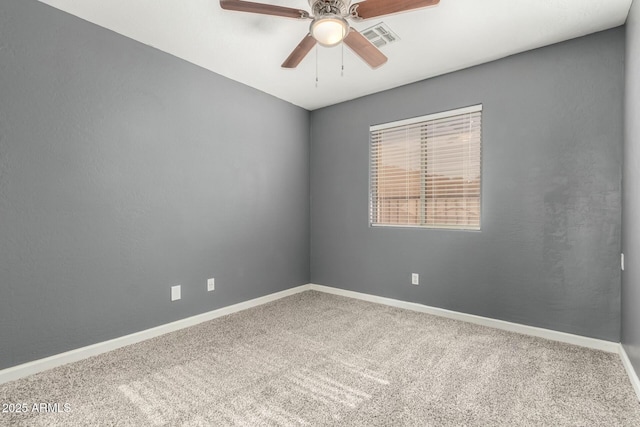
415, 279
211, 284
175, 293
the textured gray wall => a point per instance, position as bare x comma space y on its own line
124, 171
548, 252
631, 199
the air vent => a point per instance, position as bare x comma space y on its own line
380, 35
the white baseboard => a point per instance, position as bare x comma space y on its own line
30, 368
608, 346
633, 376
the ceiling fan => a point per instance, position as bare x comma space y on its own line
329, 24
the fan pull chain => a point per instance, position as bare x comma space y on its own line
342, 69
316, 66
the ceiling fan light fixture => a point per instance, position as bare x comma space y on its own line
329, 30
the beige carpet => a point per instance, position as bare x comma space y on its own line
317, 359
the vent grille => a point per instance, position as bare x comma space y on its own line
380, 35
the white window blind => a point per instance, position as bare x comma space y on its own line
426, 171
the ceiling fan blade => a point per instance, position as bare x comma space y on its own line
372, 8
299, 52
265, 9
364, 49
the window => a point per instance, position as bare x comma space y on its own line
425, 171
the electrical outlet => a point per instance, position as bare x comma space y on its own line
175, 293
415, 279
211, 284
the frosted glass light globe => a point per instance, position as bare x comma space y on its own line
329, 30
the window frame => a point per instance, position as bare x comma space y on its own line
415, 120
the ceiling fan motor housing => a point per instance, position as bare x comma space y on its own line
321, 8
329, 26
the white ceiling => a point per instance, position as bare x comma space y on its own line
249, 48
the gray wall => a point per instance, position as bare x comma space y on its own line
631, 185
548, 252
124, 171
